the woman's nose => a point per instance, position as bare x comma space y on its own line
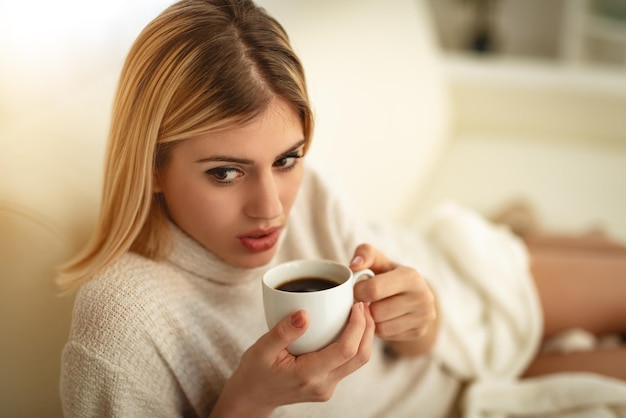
264, 199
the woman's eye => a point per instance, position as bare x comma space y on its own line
287, 162
224, 174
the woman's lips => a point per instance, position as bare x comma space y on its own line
260, 240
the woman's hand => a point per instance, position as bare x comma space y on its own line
268, 376
402, 304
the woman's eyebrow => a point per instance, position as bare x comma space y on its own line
225, 159
231, 159
293, 148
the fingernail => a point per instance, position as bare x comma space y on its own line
297, 320
357, 260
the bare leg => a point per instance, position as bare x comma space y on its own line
607, 361
580, 286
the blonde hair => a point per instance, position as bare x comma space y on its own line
200, 66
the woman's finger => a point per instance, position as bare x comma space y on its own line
402, 304
366, 256
364, 351
397, 281
407, 327
283, 333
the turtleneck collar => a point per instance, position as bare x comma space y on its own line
187, 254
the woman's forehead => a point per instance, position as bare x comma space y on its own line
270, 133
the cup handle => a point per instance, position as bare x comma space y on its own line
363, 274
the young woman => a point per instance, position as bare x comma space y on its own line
205, 188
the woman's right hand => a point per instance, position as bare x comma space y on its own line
269, 376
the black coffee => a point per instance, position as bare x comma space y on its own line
307, 284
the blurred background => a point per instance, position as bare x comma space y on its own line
491, 103
539, 95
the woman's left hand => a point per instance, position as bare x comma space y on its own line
402, 304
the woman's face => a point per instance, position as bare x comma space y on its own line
232, 190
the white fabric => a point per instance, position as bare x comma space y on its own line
494, 330
566, 395
491, 333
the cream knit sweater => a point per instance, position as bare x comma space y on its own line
160, 339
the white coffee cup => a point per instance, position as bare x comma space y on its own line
328, 309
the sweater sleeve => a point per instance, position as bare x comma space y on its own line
92, 386
114, 363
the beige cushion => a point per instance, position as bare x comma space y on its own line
49, 191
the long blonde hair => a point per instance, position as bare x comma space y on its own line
200, 66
